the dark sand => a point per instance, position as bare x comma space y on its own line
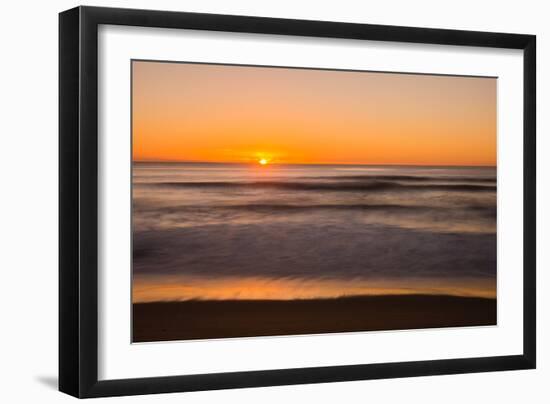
197, 319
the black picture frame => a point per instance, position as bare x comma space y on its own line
78, 201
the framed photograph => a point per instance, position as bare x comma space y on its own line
250, 201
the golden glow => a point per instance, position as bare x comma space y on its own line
263, 162
151, 288
223, 113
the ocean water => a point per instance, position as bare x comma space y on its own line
243, 231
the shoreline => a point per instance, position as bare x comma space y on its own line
210, 319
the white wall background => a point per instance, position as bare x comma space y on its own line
28, 202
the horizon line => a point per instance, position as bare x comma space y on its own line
309, 164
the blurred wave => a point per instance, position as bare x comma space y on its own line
410, 229
332, 186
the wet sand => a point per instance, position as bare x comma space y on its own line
197, 319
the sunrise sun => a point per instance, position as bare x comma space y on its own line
263, 162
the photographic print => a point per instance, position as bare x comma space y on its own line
284, 201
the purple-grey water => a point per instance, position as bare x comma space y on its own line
231, 231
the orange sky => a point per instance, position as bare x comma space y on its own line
224, 113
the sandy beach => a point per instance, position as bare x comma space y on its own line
196, 319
